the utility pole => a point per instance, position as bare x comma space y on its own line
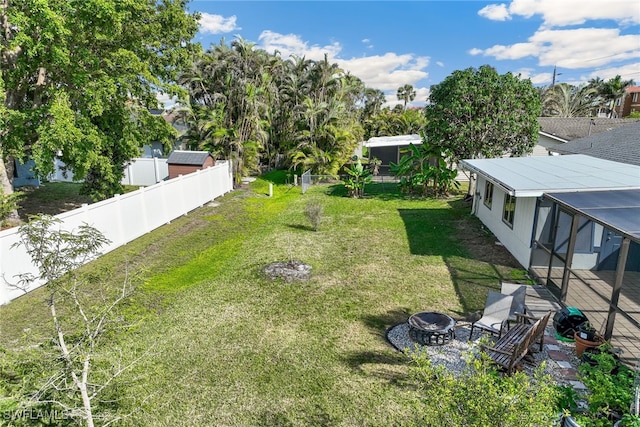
553, 81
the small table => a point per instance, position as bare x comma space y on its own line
431, 328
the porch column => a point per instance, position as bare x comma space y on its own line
617, 286
569, 258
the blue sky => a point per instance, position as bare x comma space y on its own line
391, 43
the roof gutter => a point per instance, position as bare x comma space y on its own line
507, 189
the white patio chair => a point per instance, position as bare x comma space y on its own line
495, 315
519, 293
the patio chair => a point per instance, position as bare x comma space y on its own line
495, 315
519, 293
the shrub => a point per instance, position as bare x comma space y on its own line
611, 389
313, 212
482, 396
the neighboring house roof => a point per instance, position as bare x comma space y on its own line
618, 210
533, 176
392, 141
569, 128
195, 158
621, 144
632, 89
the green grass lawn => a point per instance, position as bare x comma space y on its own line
217, 343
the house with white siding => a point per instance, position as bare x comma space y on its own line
509, 191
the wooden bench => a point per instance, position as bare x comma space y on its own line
515, 344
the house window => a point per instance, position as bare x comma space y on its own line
488, 194
635, 97
509, 209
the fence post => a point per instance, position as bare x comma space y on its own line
270, 189
156, 169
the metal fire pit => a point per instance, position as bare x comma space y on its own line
431, 328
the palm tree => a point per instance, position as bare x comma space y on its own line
565, 100
407, 94
611, 90
373, 100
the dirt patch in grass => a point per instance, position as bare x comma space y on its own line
482, 245
50, 199
290, 271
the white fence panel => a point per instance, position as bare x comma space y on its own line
146, 171
141, 171
121, 219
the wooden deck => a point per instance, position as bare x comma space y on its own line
590, 292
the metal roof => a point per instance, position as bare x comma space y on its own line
392, 141
535, 175
617, 210
180, 157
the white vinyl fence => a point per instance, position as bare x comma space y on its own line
122, 218
140, 171
145, 171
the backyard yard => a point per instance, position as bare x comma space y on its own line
210, 340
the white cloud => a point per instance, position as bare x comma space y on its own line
559, 43
495, 12
217, 24
387, 72
292, 44
440, 64
574, 12
384, 72
627, 72
575, 48
366, 41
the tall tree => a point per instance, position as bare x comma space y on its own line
565, 100
406, 94
610, 91
79, 78
477, 112
373, 101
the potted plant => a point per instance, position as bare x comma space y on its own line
611, 392
586, 336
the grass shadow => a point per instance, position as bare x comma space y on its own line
375, 190
302, 227
475, 263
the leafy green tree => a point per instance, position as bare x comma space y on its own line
477, 112
79, 79
406, 93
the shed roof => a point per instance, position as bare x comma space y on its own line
535, 175
392, 141
617, 210
195, 158
621, 144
